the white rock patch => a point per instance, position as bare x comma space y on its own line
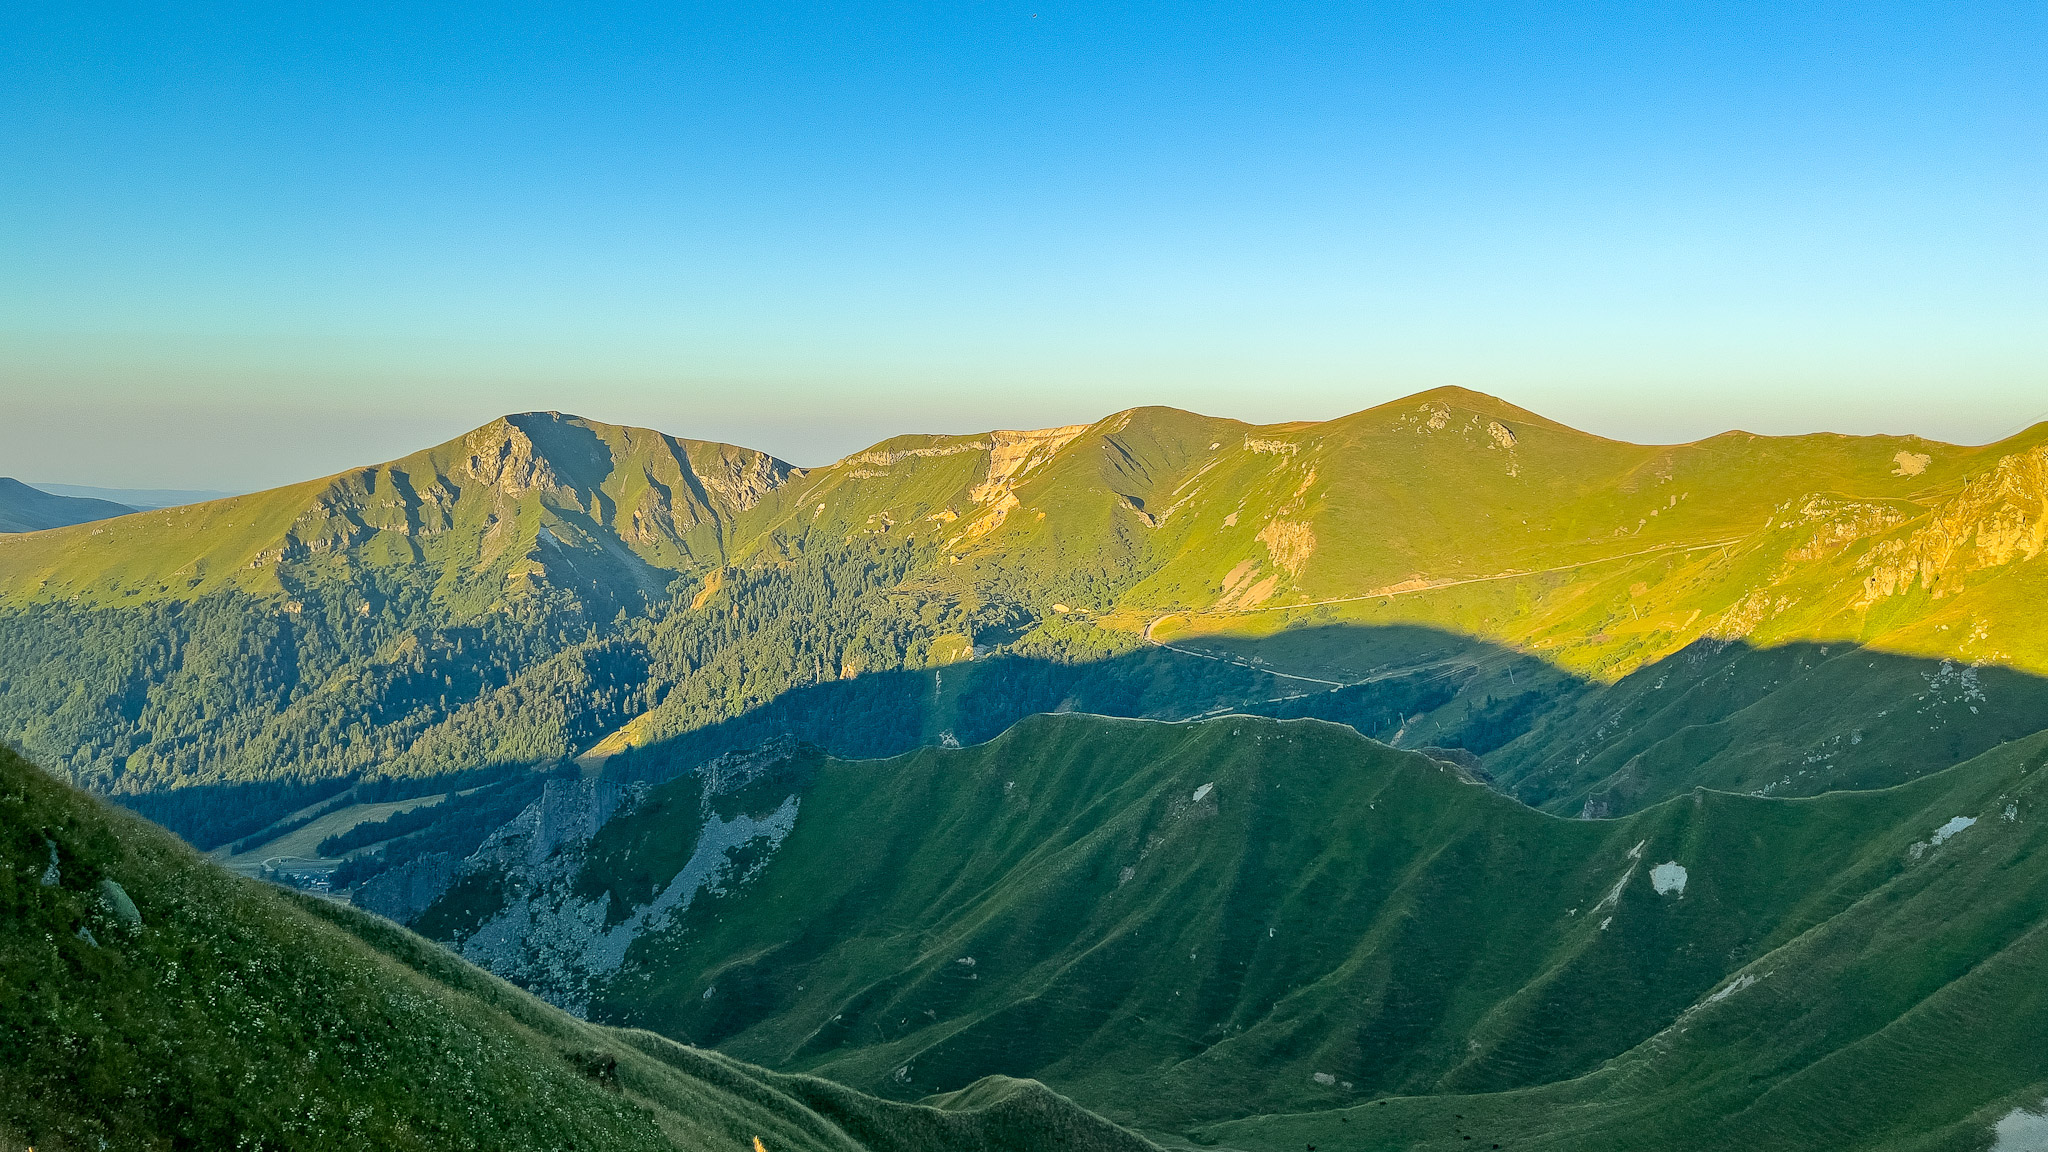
1204, 790
1668, 878
1734, 986
2022, 1130
1941, 835
1613, 897
1910, 463
1325, 1079
1955, 825
557, 944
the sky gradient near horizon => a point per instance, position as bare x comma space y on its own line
243, 245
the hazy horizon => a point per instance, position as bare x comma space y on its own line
396, 450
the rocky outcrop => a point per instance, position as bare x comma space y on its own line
558, 942
1835, 524
503, 456
407, 890
742, 478
1013, 454
1290, 542
1998, 518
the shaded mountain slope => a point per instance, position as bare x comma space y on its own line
1185, 924
26, 509
152, 1001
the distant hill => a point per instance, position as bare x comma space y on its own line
146, 499
154, 1001
1270, 935
26, 509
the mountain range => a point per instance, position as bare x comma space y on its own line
1499, 783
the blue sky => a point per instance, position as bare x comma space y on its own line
239, 246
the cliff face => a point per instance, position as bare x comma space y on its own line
1998, 518
547, 903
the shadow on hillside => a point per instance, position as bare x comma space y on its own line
1791, 720
1795, 719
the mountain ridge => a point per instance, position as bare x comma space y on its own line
25, 508
546, 587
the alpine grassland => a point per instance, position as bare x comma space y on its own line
149, 1000
1264, 933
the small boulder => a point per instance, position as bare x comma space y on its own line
118, 903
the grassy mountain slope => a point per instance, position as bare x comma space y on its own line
26, 509
1187, 925
540, 497
1910, 1019
547, 587
385, 621
153, 1001
1451, 512
1602, 556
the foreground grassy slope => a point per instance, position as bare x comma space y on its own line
150, 1000
1187, 925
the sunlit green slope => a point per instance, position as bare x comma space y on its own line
1452, 511
538, 497
1184, 925
149, 1000
1458, 511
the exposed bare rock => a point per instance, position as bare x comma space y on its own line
559, 944
741, 477
1013, 454
1746, 614
1837, 524
1132, 506
503, 456
1999, 517
993, 519
1291, 543
405, 891
1243, 589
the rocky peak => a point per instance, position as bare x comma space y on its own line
501, 455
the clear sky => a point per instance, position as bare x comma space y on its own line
245, 245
